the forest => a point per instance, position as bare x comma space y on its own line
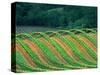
55, 16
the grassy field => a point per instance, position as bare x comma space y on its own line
55, 50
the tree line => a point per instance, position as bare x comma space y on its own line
57, 16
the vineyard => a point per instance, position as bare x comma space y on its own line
55, 50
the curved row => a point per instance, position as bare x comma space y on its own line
59, 50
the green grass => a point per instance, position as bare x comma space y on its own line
54, 63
